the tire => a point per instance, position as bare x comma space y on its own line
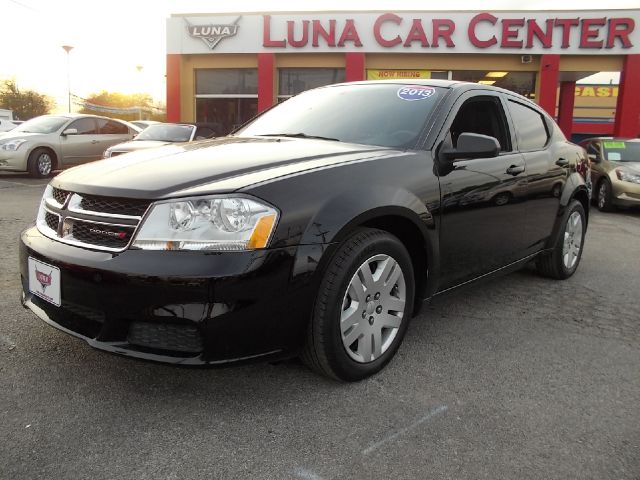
501, 199
564, 258
603, 196
41, 163
342, 353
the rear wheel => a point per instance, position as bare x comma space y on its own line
563, 260
41, 162
363, 307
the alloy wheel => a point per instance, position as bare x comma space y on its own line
572, 240
372, 308
44, 164
602, 195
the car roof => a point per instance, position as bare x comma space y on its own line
451, 84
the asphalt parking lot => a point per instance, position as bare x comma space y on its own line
521, 377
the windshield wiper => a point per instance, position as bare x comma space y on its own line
298, 135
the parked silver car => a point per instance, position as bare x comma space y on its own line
50, 142
162, 134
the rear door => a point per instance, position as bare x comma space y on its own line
112, 132
547, 164
483, 199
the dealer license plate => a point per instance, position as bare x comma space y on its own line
44, 281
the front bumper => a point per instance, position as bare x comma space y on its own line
14, 161
190, 308
626, 194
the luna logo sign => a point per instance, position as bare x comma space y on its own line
44, 279
211, 34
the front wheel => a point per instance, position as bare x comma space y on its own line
40, 163
605, 203
363, 307
564, 258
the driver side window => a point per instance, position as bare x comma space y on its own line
85, 126
482, 115
592, 148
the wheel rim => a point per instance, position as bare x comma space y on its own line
572, 240
372, 308
602, 195
502, 199
44, 164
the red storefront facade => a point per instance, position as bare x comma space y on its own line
242, 64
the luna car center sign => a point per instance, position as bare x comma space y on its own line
569, 32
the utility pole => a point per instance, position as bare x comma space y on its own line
68, 48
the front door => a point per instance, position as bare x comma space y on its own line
482, 200
83, 146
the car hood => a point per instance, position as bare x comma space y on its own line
633, 166
11, 134
212, 166
137, 145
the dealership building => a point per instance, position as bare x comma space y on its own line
223, 69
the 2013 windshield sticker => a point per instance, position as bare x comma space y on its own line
411, 93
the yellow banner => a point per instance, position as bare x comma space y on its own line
397, 74
596, 91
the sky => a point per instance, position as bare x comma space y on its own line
112, 39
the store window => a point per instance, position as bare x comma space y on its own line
523, 83
226, 98
292, 81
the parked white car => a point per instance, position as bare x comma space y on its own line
6, 125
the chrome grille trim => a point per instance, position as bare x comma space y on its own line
69, 212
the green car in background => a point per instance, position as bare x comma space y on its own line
615, 172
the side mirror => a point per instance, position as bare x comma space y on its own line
593, 158
472, 145
70, 131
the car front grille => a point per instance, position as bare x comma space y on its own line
162, 336
60, 196
102, 223
101, 234
117, 206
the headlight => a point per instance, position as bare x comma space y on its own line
12, 145
627, 176
210, 223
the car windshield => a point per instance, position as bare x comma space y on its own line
167, 133
41, 125
621, 151
384, 114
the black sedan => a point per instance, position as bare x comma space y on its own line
318, 229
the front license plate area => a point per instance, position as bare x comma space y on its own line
44, 281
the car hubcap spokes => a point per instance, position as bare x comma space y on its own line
602, 195
44, 164
372, 308
572, 240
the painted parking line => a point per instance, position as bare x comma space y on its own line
417, 423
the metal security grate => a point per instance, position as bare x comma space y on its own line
60, 196
177, 338
51, 221
117, 206
111, 236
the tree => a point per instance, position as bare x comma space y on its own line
115, 100
25, 104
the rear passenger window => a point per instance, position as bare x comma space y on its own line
530, 127
111, 127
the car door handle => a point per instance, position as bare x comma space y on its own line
93, 142
515, 169
562, 162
